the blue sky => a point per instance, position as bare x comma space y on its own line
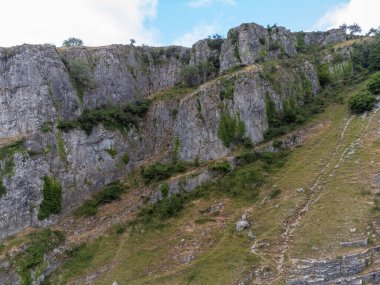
168, 22
176, 18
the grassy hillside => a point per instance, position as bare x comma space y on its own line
333, 173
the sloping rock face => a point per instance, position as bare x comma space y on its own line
39, 86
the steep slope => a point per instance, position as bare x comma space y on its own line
43, 86
77, 119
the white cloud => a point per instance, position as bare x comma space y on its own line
96, 22
199, 32
363, 12
202, 3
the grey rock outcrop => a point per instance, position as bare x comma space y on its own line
80, 162
345, 270
249, 43
324, 38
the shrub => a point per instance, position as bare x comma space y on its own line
324, 75
223, 166
3, 189
112, 117
227, 90
374, 83
361, 102
164, 189
110, 193
230, 130
125, 158
52, 196
172, 206
71, 42
189, 75
262, 41
160, 171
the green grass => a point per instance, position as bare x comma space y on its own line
173, 93
47, 127
39, 243
112, 152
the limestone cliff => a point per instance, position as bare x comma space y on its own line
41, 85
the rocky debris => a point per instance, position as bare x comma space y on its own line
213, 209
356, 243
343, 270
251, 235
114, 283
242, 223
376, 179
300, 190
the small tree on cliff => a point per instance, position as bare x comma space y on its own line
72, 42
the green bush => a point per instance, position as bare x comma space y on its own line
374, 83
112, 117
361, 102
160, 171
227, 90
223, 166
110, 193
52, 196
72, 42
230, 130
172, 206
324, 75
3, 189
125, 158
189, 75
164, 189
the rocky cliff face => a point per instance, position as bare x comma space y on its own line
41, 85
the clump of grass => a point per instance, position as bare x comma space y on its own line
47, 127
110, 193
11, 149
112, 152
61, 147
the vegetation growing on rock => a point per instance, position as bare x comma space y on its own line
52, 197
120, 117
361, 102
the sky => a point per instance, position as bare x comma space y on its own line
168, 22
